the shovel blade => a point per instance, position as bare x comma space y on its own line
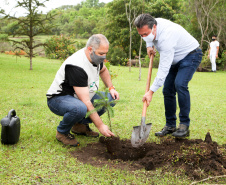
138, 139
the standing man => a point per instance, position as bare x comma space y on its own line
213, 52
180, 56
72, 92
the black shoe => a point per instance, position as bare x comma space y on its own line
166, 130
182, 131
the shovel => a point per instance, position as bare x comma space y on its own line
140, 133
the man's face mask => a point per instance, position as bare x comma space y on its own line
213, 39
149, 38
96, 60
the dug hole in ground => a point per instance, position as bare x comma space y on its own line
195, 157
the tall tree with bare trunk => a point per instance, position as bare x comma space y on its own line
130, 17
31, 25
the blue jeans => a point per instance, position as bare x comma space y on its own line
177, 81
73, 110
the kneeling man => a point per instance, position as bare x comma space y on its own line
72, 92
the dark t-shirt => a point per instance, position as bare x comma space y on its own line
74, 76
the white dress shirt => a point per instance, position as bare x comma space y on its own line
173, 43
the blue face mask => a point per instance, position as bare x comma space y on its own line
97, 59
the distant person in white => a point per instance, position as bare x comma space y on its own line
180, 56
213, 52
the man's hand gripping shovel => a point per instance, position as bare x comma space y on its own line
140, 133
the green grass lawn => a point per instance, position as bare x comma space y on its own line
39, 159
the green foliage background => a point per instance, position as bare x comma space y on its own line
91, 17
61, 47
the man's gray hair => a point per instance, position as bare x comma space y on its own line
96, 40
145, 19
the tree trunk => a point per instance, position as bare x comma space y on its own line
130, 46
140, 59
128, 15
31, 62
31, 36
109, 117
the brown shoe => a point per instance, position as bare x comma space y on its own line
67, 139
81, 129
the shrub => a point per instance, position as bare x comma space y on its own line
145, 62
3, 37
61, 47
117, 56
108, 65
5, 46
4, 43
20, 52
85, 35
205, 63
221, 62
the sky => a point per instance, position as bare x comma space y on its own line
8, 5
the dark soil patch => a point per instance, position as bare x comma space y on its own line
196, 158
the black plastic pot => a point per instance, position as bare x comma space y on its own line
10, 128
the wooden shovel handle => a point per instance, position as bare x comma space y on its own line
148, 84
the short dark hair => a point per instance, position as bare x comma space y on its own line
145, 19
214, 36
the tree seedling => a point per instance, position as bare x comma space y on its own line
103, 103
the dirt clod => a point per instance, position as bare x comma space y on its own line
197, 158
208, 138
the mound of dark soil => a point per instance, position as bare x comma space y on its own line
197, 158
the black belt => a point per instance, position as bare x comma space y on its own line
194, 50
